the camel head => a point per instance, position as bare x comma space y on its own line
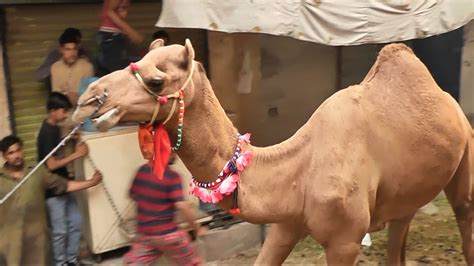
134, 93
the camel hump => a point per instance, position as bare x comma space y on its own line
398, 64
393, 50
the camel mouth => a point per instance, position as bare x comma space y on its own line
106, 120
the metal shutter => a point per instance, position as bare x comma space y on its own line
32, 32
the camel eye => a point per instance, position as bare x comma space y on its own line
156, 85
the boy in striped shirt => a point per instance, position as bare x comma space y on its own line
158, 234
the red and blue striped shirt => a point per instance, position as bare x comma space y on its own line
155, 199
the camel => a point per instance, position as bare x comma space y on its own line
371, 154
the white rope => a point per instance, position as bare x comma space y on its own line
24, 179
100, 100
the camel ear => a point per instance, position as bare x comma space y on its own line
156, 44
189, 52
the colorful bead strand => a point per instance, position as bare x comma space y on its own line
179, 137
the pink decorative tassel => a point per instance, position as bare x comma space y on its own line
243, 160
229, 184
227, 181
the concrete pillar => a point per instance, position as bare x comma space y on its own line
467, 72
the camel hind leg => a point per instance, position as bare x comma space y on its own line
459, 193
397, 238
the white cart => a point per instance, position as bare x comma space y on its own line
117, 155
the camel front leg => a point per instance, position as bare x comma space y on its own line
342, 253
278, 244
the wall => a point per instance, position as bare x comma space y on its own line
355, 62
297, 77
4, 112
272, 84
467, 72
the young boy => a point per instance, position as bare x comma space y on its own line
63, 211
23, 228
158, 234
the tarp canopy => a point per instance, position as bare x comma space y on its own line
330, 22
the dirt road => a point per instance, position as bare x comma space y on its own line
432, 240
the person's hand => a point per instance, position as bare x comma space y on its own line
75, 136
201, 231
96, 178
136, 37
81, 150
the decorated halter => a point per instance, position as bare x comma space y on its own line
162, 100
227, 181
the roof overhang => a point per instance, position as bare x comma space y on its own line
330, 22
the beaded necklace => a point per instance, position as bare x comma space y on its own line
227, 181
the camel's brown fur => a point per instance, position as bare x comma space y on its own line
372, 153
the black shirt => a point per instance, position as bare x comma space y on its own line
49, 137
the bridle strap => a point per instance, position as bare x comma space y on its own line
189, 79
155, 113
170, 114
174, 96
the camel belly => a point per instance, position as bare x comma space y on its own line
411, 179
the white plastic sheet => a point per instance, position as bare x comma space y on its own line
331, 22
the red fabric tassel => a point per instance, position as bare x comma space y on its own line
155, 146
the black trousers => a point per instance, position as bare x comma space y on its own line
112, 54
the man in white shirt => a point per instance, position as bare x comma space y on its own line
66, 73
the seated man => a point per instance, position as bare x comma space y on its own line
157, 200
23, 226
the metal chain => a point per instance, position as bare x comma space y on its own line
122, 222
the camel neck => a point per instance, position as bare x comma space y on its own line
209, 138
209, 141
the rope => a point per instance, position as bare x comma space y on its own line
155, 113
122, 222
170, 114
63, 141
100, 100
